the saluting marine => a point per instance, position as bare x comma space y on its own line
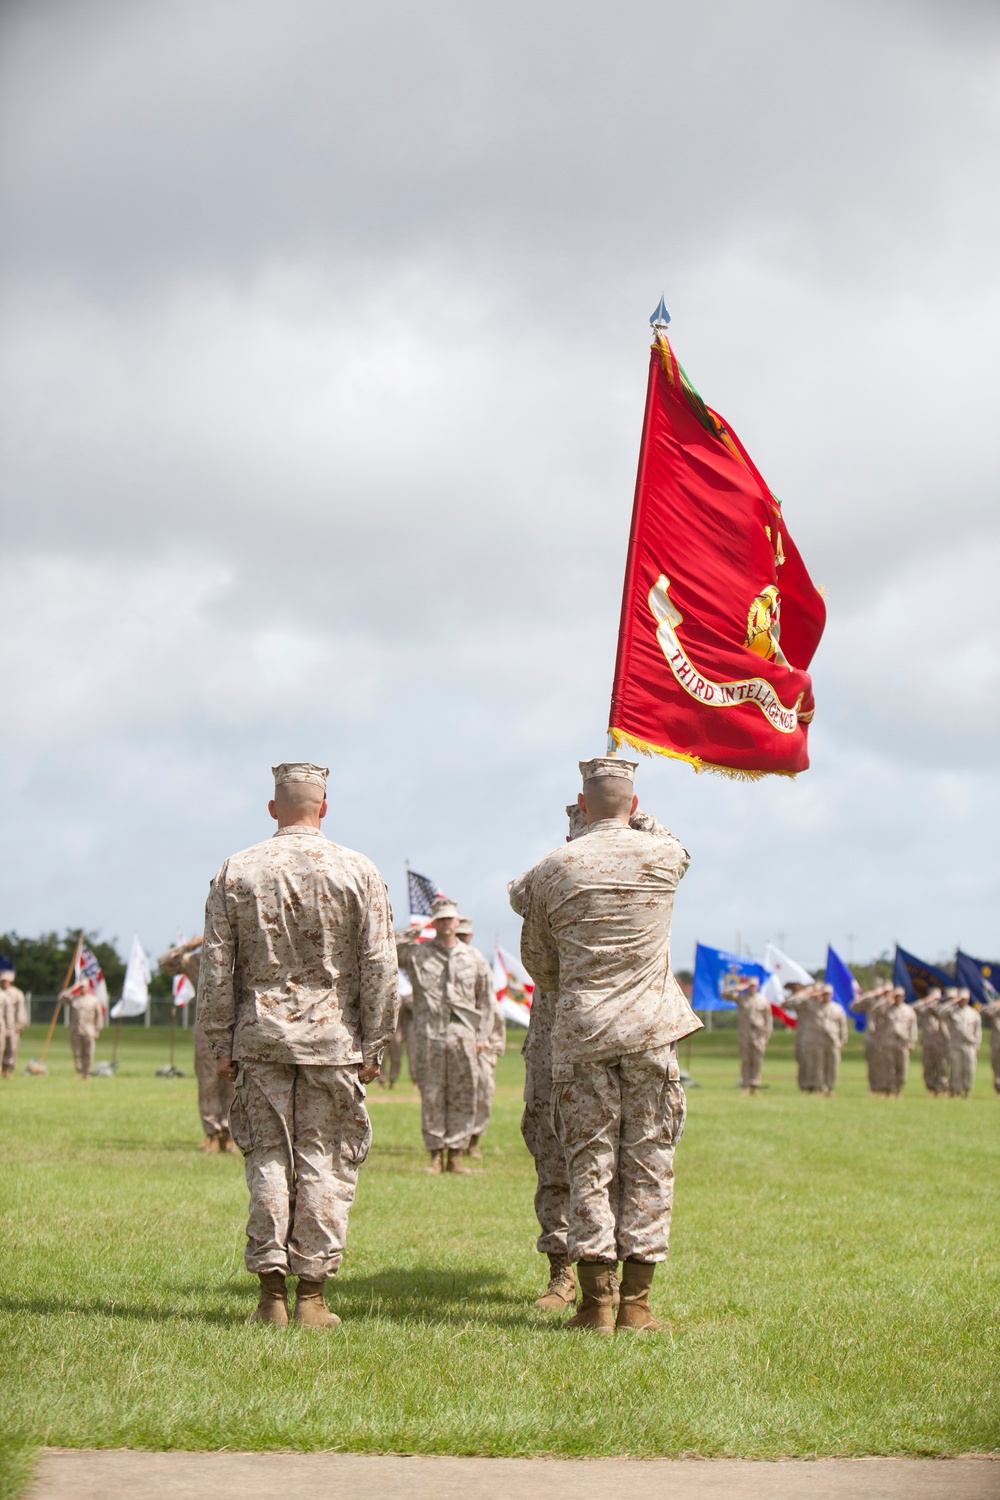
933, 1042
13, 1017
86, 1021
453, 1005
493, 1049
754, 1025
596, 934
823, 1024
298, 998
965, 1033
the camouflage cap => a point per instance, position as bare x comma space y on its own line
6, 967
464, 928
300, 770
608, 765
442, 907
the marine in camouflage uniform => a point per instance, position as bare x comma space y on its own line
754, 1025
86, 1021
823, 1024
965, 1033
493, 1049
874, 1004
991, 1014
453, 1005
899, 1037
933, 1042
597, 934
13, 1018
215, 1092
298, 996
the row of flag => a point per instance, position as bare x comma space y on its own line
717, 970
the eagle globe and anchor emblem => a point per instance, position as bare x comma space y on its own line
763, 630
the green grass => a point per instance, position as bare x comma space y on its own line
833, 1286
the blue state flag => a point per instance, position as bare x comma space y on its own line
716, 970
916, 977
845, 986
980, 977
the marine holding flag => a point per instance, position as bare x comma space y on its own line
719, 617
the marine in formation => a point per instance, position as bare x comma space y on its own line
453, 1015
13, 1017
86, 1022
493, 1049
298, 999
596, 934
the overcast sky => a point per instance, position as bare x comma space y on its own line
323, 360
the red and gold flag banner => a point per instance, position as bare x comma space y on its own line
720, 619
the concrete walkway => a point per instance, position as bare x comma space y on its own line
111, 1474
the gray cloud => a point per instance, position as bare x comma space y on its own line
323, 364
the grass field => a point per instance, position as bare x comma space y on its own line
833, 1286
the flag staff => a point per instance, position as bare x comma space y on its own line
65, 985
658, 322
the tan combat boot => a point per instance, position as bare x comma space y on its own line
207, 1144
436, 1163
561, 1290
633, 1311
596, 1313
456, 1164
273, 1304
311, 1310
474, 1151
226, 1143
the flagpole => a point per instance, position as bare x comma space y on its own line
118, 1033
65, 985
659, 320
173, 1033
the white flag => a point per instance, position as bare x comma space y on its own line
787, 970
135, 990
182, 990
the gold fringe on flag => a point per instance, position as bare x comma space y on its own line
619, 737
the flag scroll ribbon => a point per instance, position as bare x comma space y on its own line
719, 619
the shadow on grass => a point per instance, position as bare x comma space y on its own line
111, 1307
433, 1296
410, 1296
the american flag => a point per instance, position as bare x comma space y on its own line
87, 968
423, 893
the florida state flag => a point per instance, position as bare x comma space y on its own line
719, 617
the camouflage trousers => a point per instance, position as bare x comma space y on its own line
304, 1133
962, 1058
215, 1094
820, 1065
8, 1049
895, 1066
416, 1053
551, 1173
878, 1071
619, 1121
486, 1085
399, 1043
83, 1047
995, 1058
449, 1089
752, 1051
934, 1057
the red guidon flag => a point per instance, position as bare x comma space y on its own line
719, 617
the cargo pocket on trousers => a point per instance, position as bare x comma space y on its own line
239, 1125
673, 1112
357, 1139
